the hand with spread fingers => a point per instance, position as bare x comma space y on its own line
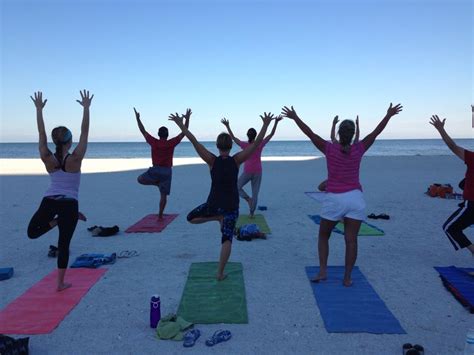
38, 100
394, 110
437, 123
267, 118
86, 99
177, 118
289, 112
225, 122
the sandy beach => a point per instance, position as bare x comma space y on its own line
113, 317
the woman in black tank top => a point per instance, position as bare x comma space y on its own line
222, 204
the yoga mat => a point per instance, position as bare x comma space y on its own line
41, 308
355, 309
459, 283
208, 301
366, 229
258, 219
151, 224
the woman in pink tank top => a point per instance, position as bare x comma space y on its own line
344, 199
59, 206
253, 166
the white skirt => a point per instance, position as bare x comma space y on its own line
336, 206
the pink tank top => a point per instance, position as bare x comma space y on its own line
253, 165
64, 183
343, 169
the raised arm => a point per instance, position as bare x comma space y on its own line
226, 123
272, 133
333, 129
141, 127
439, 125
81, 147
242, 156
205, 155
370, 138
187, 117
357, 132
45, 154
317, 140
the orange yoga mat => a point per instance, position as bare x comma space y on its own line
151, 224
41, 308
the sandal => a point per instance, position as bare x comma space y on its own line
128, 254
219, 337
190, 337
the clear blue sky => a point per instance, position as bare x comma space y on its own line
236, 59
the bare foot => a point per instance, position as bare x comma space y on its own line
347, 283
318, 278
251, 216
160, 216
81, 217
63, 286
221, 277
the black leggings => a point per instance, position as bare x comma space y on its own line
457, 222
67, 210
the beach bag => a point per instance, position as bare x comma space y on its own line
248, 232
441, 190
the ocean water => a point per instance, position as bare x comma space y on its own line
398, 147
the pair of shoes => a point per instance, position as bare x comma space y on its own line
53, 251
99, 231
218, 337
381, 216
190, 337
416, 349
128, 254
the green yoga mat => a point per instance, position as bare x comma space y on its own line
258, 219
208, 301
365, 229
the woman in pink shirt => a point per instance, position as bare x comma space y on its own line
253, 166
344, 199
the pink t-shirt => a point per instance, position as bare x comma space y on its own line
343, 169
253, 165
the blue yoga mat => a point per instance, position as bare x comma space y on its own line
460, 283
355, 309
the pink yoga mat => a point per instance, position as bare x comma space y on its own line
41, 308
151, 224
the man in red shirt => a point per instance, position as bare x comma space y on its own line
162, 151
464, 216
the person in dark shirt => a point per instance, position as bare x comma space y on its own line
222, 204
162, 151
463, 217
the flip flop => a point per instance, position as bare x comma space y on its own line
128, 254
219, 337
383, 216
190, 337
373, 216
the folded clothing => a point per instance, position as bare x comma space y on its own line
171, 327
93, 261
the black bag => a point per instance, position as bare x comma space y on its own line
10, 346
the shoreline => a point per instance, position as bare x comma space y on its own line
29, 166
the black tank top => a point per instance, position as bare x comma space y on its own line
224, 193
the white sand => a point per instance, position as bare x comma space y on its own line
283, 317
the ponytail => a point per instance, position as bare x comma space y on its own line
346, 133
61, 136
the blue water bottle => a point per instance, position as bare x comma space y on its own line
155, 312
